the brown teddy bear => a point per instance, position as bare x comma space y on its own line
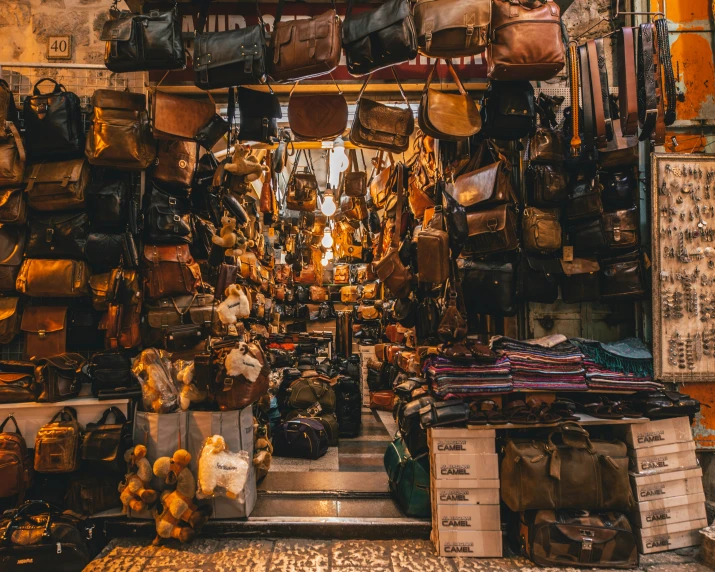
133, 490
230, 237
244, 164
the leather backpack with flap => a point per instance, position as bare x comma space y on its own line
15, 463
60, 235
57, 444
177, 118
45, 329
175, 164
508, 110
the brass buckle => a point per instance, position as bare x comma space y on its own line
42, 334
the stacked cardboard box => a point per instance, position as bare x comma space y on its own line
367, 353
667, 485
465, 492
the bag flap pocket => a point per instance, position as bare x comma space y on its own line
46, 319
492, 220
472, 188
284, 32
547, 266
62, 172
12, 245
8, 307
580, 266
361, 25
217, 49
119, 30
514, 104
114, 99
375, 116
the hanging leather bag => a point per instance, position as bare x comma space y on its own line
17, 382
492, 230
491, 287
12, 249
109, 199
622, 276
383, 181
10, 314
621, 228
15, 462
354, 180
13, 208
481, 187
45, 331
53, 278
174, 117
121, 325
526, 40
541, 230
58, 377
317, 117
508, 110
143, 42
452, 28
546, 185
168, 219
259, 114
585, 199
304, 48
232, 392
58, 235
53, 123
12, 156
175, 164
302, 192
538, 279
169, 271
104, 443
453, 324
120, 134
104, 288
448, 116
57, 443
57, 186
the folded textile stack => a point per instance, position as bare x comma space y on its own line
620, 366
466, 378
549, 363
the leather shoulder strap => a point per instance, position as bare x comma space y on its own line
587, 99
599, 118
627, 88
658, 136
661, 30
647, 99
603, 74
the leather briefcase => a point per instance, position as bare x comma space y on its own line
526, 40
62, 235
120, 134
259, 114
481, 187
175, 164
143, 42
57, 186
573, 472
316, 117
492, 230
302, 192
621, 228
546, 185
12, 248
104, 443
379, 38
40, 277
58, 377
238, 391
57, 444
45, 332
541, 230
169, 271
17, 382
13, 208
304, 48
452, 28
10, 314
53, 123
174, 117
448, 116
579, 282
622, 276
12, 156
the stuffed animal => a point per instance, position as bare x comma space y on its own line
236, 306
133, 490
244, 164
239, 361
189, 392
179, 517
230, 238
263, 450
219, 467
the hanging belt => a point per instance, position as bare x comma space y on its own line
587, 100
647, 99
661, 30
603, 73
627, 88
659, 132
599, 117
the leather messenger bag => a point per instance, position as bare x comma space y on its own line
169, 271
186, 119
57, 186
53, 278
45, 332
452, 28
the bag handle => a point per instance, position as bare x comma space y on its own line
61, 414
59, 88
279, 11
30, 507
14, 421
119, 417
397, 80
18, 140
453, 73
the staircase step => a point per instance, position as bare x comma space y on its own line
371, 485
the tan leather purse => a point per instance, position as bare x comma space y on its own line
308, 275
175, 117
9, 319
354, 180
370, 291
317, 117
541, 230
318, 294
44, 329
452, 28
341, 274
250, 267
175, 164
302, 192
365, 273
169, 271
382, 183
120, 135
104, 288
12, 248
53, 278
349, 294
12, 156
13, 209
367, 312
353, 208
448, 116
57, 186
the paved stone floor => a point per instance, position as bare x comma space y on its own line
228, 555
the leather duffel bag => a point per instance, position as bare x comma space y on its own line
12, 249
452, 28
40, 277
328, 420
169, 271
12, 156
45, 331
300, 438
17, 382
57, 186
572, 472
57, 444
60, 235
239, 381
58, 377
408, 478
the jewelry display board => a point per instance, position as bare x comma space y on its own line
683, 233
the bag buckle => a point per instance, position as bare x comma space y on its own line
177, 218
492, 224
172, 201
617, 233
42, 334
49, 233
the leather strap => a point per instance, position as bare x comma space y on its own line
627, 86
661, 30
658, 137
573, 85
603, 73
599, 118
400, 206
647, 99
587, 99
18, 141
430, 77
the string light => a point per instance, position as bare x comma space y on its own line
327, 241
328, 206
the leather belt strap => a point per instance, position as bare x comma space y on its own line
596, 95
603, 73
587, 99
661, 30
658, 137
627, 87
573, 86
647, 99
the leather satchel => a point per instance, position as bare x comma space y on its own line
10, 314
58, 235
57, 186
16, 461
579, 282
572, 472
379, 126
481, 187
546, 185
58, 377
105, 251
448, 116
121, 325
453, 324
164, 318
304, 48
621, 228
120, 133
40, 277
168, 219
169, 271
622, 276
174, 117
492, 230
318, 294
143, 42
45, 332
349, 294
53, 123
259, 114
12, 248
57, 444
618, 189
317, 117
175, 164
12, 156
238, 391
302, 192
452, 28
109, 372
382, 400
526, 40
541, 231
13, 208
104, 443
353, 208
17, 382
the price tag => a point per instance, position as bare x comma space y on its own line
567, 255
59, 48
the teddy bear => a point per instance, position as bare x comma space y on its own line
239, 361
236, 305
230, 237
263, 450
189, 392
244, 164
133, 491
152, 368
219, 467
178, 517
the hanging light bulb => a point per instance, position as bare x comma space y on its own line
337, 162
324, 261
329, 254
327, 241
328, 206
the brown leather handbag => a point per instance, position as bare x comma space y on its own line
10, 315
233, 392
57, 444
492, 230
120, 135
53, 278
317, 117
174, 117
121, 325
353, 208
341, 274
526, 40
367, 312
304, 48
622, 276
58, 377
318, 294
308, 275
175, 164
382, 400
45, 331
13, 209
104, 288
365, 273
370, 291
481, 187
383, 181
448, 116
354, 180
585, 199
12, 156
452, 28
541, 230
546, 184
169, 271
349, 294
302, 192
547, 145
57, 186
17, 385
433, 256
453, 323
620, 228
12, 248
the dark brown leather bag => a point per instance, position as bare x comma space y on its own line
169, 271
89, 494
382, 400
304, 48
623, 276
45, 330
585, 199
166, 314
547, 145
13, 209
546, 184
448, 116
57, 444
104, 443
621, 228
16, 474
526, 40
17, 382
10, 315
53, 278
120, 135
302, 192
12, 156
57, 186
237, 392
541, 231
384, 180
316, 117
104, 288
12, 249
573, 472
452, 28
481, 187
122, 324
433, 256
492, 230
175, 164
174, 117
579, 282
354, 180
58, 377
453, 323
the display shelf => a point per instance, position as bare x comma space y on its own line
582, 420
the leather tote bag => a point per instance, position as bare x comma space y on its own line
40, 277
316, 117
305, 48
186, 119
452, 28
120, 135
143, 42
12, 156
17, 382
104, 443
57, 444
259, 113
53, 124
448, 116
62, 235
382, 127
57, 186
45, 331
302, 192
526, 40
380, 38
12, 249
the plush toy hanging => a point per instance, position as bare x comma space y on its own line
244, 164
230, 238
219, 467
134, 491
235, 307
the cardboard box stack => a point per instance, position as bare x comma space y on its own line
465, 492
367, 353
667, 485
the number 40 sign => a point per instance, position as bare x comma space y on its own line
59, 48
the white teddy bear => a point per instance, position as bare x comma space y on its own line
240, 362
189, 391
236, 306
219, 467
